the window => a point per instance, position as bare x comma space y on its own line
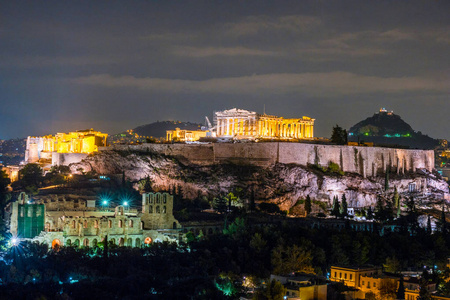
374, 284
38, 211
30, 211
340, 275
164, 210
351, 275
345, 275
150, 209
335, 274
158, 210
96, 224
120, 223
164, 199
368, 284
74, 224
130, 224
109, 223
21, 211
363, 282
85, 224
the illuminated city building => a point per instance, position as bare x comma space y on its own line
80, 142
183, 135
244, 124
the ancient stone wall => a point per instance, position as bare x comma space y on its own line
366, 161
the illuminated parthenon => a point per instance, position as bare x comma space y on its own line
244, 124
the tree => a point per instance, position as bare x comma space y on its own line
220, 204
290, 259
339, 135
31, 176
370, 213
308, 205
396, 198
274, 290
392, 265
401, 290
429, 225
443, 221
336, 207
386, 179
344, 207
147, 185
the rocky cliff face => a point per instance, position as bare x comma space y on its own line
283, 184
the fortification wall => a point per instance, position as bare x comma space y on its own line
65, 159
366, 161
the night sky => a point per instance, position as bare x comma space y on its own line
114, 65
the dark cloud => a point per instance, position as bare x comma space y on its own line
114, 65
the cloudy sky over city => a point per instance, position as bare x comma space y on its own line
115, 65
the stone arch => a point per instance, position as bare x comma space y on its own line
112, 241
130, 242
131, 223
77, 243
94, 243
56, 243
86, 242
69, 242
138, 242
121, 242
96, 224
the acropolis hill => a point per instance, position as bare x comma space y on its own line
276, 171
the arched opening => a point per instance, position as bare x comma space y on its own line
86, 243
112, 241
120, 223
138, 243
158, 210
164, 210
77, 243
130, 242
56, 243
131, 223
96, 224
174, 225
94, 243
74, 224
69, 242
150, 209
121, 242
142, 225
85, 224
109, 223
148, 240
